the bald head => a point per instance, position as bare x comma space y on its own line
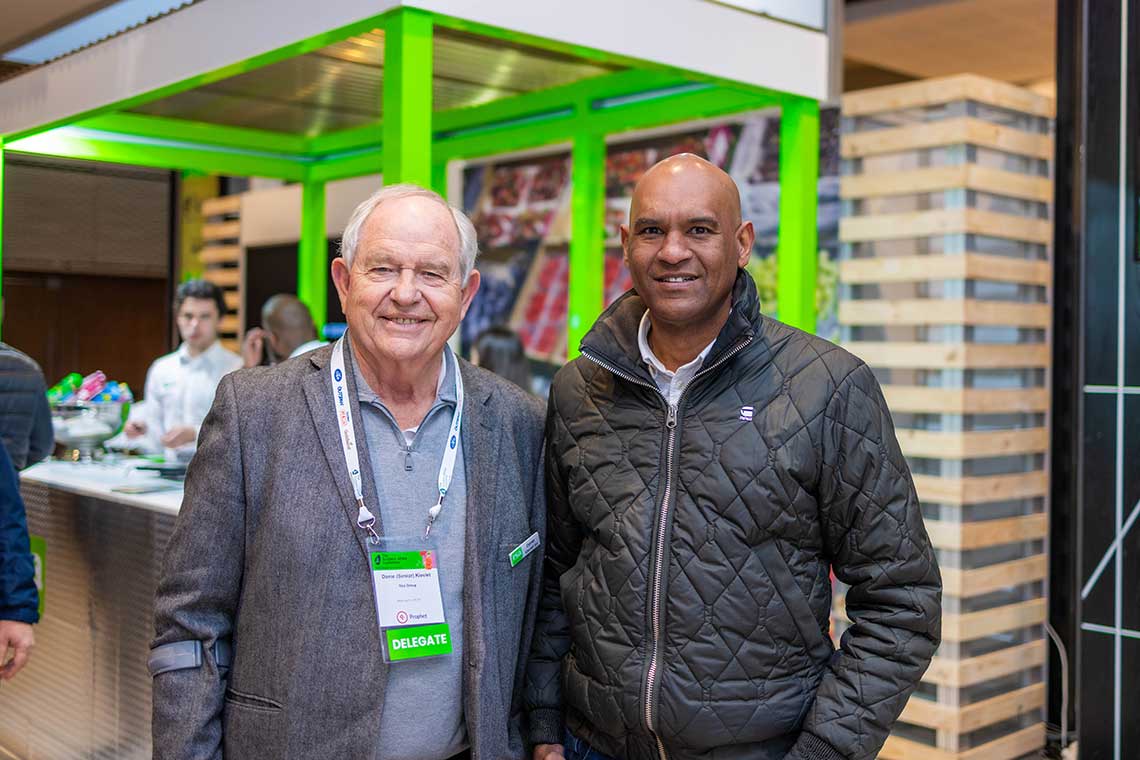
288, 322
684, 244
693, 176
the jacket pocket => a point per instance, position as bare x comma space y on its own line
818, 646
252, 701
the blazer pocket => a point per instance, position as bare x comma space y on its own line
252, 701
819, 647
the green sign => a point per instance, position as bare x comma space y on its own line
39, 556
418, 641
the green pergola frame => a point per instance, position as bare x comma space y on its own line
414, 144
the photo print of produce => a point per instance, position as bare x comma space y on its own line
521, 210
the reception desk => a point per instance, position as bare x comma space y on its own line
86, 690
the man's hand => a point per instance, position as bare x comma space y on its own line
135, 428
19, 638
549, 752
179, 436
253, 347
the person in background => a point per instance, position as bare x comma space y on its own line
19, 600
180, 386
499, 350
287, 330
25, 419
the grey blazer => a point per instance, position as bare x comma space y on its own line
266, 551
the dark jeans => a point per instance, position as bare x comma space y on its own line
576, 749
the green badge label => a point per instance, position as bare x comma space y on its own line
39, 557
418, 641
520, 552
424, 560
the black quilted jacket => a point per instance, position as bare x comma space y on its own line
687, 587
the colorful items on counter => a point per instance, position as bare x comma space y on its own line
65, 388
94, 388
91, 385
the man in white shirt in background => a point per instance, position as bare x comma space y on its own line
180, 386
287, 330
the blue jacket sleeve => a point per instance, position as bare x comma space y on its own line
19, 599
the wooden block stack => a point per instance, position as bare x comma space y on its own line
945, 293
221, 257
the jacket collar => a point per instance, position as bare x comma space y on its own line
613, 337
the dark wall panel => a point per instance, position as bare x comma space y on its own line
80, 323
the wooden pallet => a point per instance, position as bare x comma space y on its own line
926, 270
221, 255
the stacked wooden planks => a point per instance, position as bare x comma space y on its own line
221, 258
945, 293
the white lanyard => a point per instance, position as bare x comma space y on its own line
364, 518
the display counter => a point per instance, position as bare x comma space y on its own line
86, 690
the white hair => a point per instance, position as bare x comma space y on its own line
468, 241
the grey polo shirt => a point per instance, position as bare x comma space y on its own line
423, 707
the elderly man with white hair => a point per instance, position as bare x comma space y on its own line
355, 569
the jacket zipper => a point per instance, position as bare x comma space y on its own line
663, 515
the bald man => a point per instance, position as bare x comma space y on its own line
707, 469
286, 331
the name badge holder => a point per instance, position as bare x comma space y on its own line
405, 570
409, 601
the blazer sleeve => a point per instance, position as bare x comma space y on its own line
873, 530
198, 591
542, 694
43, 436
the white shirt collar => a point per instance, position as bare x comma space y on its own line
650, 358
184, 353
671, 383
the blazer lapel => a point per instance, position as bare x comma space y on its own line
318, 393
480, 447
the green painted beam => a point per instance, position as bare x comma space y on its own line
797, 248
369, 135
69, 142
408, 97
658, 111
587, 236
202, 133
312, 252
308, 45
439, 177
354, 164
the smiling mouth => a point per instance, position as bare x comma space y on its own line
677, 278
405, 320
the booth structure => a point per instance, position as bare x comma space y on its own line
337, 91
311, 93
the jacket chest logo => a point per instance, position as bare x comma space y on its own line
746, 413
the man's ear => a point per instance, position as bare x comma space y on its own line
341, 275
470, 288
745, 237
